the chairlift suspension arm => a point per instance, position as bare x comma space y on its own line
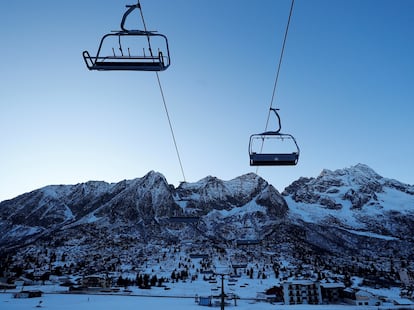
278, 119
130, 9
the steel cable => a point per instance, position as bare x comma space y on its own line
277, 73
163, 97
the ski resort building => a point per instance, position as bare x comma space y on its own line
332, 292
302, 292
359, 298
95, 281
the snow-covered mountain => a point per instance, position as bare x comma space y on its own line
228, 210
357, 199
141, 207
353, 209
343, 211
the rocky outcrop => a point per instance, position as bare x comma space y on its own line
353, 198
141, 206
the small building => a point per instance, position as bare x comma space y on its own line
332, 292
205, 301
403, 302
28, 294
96, 281
22, 281
359, 298
378, 282
7, 286
274, 294
302, 292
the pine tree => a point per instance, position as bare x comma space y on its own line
154, 280
138, 280
120, 281
146, 280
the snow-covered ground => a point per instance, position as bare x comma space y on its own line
111, 302
181, 296
133, 302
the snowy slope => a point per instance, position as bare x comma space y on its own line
355, 198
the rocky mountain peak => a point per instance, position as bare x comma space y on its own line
359, 173
212, 193
356, 197
359, 178
273, 201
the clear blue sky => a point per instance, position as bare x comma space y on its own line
346, 90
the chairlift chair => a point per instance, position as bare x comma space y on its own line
273, 148
130, 50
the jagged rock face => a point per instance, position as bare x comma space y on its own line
353, 198
139, 206
333, 189
42, 211
275, 204
240, 208
360, 183
55, 207
144, 199
86, 197
394, 184
212, 193
301, 191
56, 204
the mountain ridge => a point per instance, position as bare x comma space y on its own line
335, 212
359, 193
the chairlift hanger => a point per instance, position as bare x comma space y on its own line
131, 59
260, 158
280, 157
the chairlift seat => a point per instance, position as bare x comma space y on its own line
154, 65
274, 159
133, 66
122, 63
104, 61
